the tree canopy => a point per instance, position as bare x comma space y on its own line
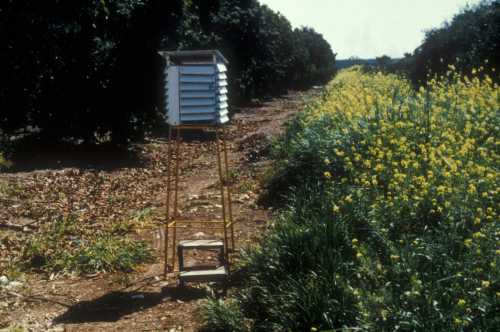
89, 68
470, 40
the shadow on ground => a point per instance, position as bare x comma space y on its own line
113, 306
186, 135
30, 154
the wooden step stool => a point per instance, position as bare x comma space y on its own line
207, 274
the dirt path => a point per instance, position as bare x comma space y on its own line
147, 302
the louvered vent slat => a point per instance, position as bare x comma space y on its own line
196, 90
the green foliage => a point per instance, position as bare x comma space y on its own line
4, 148
314, 62
360, 244
266, 56
410, 266
65, 63
64, 246
469, 40
299, 278
383, 63
15, 328
9, 189
10, 266
4, 163
222, 316
90, 69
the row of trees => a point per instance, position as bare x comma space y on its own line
81, 69
468, 41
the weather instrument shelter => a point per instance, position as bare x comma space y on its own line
196, 89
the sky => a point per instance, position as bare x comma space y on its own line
370, 28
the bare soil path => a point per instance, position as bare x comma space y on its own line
135, 192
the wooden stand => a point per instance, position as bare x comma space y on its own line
174, 220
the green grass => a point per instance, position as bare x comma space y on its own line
9, 189
222, 315
14, 328
12, 270
144, 214
64, 246
247, 186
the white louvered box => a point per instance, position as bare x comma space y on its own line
196, 88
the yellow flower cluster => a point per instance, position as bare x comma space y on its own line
420, 169
434, 149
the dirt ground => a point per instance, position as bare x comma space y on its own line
101, 187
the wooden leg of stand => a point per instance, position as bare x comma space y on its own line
167, 212
176, 194
223, 200
228, 189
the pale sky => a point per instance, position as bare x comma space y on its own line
369, 28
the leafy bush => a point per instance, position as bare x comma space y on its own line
63, 246
314, 62
469, 40
394, 224
298, 279
66, 65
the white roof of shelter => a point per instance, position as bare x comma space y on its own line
180, 56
